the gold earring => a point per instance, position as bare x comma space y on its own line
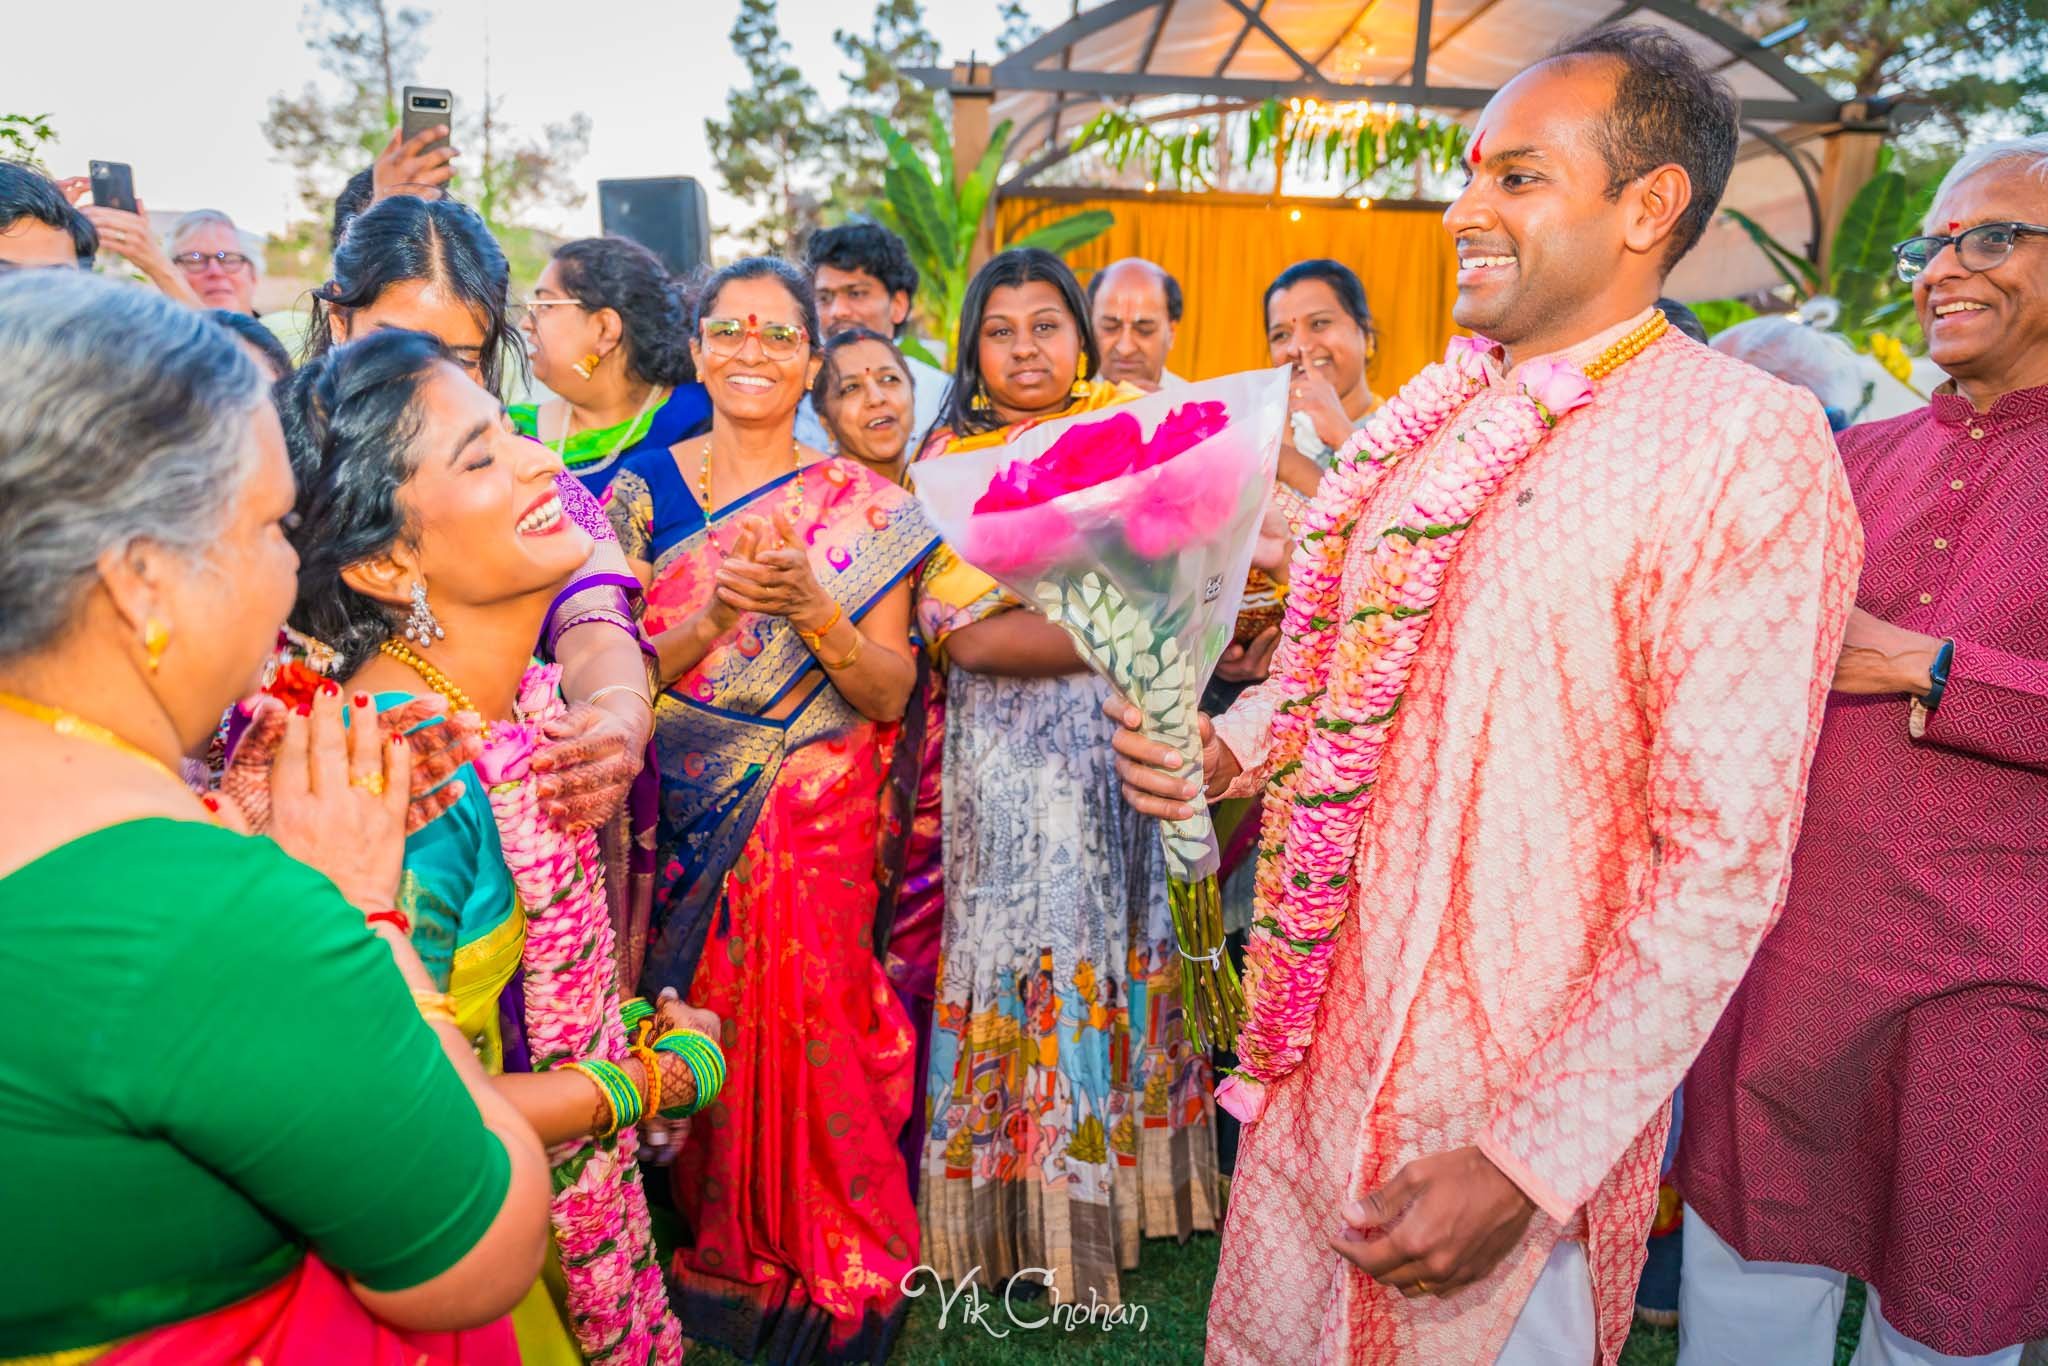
588, 365
1080, 389
979, 403
156, 637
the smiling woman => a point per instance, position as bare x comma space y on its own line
1318, 322
778, 600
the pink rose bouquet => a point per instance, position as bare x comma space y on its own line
1133, 530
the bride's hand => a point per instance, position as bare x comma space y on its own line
437, 752
338, 799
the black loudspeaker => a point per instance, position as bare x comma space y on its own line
666, 214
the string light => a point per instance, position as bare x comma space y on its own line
1365, 201
1151, 186
1294, 215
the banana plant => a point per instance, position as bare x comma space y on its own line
938, 221
1860, 273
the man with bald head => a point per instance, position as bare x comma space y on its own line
1559, 638
1135, 307
1870, 1103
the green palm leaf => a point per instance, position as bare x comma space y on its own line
1798, 272
1070, 232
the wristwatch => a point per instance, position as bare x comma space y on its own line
1937, 673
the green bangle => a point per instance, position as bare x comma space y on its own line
619, 1092
632, 1012
706, 1061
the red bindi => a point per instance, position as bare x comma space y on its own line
1478, 141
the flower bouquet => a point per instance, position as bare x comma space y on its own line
1133, 531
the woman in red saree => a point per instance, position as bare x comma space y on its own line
778, 601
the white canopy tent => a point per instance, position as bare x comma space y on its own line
1803, 154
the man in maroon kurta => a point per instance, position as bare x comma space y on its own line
1871, 1102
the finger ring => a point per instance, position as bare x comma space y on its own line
1423, 1286
372, 783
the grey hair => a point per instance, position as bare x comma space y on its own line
1798, 354
122, 418
206, 218
2033, 150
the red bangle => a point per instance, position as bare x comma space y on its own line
397, 920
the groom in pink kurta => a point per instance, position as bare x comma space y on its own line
1584, 819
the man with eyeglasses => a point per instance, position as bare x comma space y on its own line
39, 228
1871, 1101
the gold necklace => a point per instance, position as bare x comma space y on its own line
1628, 348
458, 700
78, 728
792, 506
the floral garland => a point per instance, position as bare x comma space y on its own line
617, 1303
1343, 681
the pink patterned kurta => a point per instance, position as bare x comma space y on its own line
1584, 824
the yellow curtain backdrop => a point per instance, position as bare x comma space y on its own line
1225, 250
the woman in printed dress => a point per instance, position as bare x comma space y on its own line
1068, 1114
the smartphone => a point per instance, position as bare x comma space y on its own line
424, 107
113, 185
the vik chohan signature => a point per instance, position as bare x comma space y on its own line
999, 1317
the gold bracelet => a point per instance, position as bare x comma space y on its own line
816, 638
852, 653
609, 688
436, 1007
650, 1095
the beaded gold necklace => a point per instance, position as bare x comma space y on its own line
458, 700
792, 506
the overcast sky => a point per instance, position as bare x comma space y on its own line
179, 92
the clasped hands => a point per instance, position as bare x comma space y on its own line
767, 570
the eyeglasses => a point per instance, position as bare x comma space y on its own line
532, 309
779, 341
1983, 247
192, 262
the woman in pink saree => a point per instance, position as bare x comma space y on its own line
778, 602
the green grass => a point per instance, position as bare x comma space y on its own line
1173, 1285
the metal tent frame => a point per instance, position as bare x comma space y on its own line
1112, 54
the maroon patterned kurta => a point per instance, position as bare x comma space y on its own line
1873, 1099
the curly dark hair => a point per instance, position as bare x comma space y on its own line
862, 244
351, 418
653, 307
1668, 110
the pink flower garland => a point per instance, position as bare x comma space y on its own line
1343, 680
617, 1302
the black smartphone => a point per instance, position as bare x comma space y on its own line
113, 185
423, 107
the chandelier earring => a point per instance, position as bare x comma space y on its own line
1080, 389
979, 403
420, 627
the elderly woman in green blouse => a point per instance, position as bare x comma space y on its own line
235, 1117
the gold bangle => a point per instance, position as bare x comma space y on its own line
852, 653
816, 638
610, 688
650, 1094
436, 1007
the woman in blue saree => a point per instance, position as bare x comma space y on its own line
778, 601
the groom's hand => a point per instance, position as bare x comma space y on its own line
1443, 1222
1155, 781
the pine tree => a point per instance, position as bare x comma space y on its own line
1018, 28
878, 88
372, 50
770, 147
